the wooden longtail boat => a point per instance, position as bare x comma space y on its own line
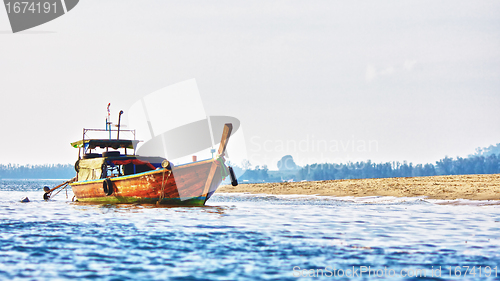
112, 177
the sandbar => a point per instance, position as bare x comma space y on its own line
473, 187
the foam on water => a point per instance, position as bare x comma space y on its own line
239, 236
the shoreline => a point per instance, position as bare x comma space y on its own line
473, 187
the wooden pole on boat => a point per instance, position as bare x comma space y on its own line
228, 127
47, 191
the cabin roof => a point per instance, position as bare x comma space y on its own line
103, 143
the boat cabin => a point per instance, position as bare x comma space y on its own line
105, 158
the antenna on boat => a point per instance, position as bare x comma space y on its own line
119, 120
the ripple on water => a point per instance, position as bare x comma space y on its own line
235, 237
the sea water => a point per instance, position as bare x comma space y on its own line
246, 237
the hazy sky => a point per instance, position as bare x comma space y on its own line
321, 80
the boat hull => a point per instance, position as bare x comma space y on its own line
186, 185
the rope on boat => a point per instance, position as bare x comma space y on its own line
223, 171
62, 187
48, 192
163, 182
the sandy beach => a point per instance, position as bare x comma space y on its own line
475, 187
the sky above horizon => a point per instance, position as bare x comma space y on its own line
323, 81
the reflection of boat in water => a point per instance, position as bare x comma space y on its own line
113, 177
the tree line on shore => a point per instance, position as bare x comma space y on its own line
361, 170
45, 171
484, 161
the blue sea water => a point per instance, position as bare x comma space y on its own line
246, 237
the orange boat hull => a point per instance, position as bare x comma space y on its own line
191, 184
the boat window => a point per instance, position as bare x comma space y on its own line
130, 169
113, 171
142, 168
